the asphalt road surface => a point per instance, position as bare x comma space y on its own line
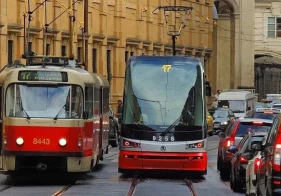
106, 181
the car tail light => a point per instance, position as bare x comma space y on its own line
243, 160
257, 123
229, 142
277, 157
257, 165
130, 144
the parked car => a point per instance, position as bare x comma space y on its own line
222, 117
233, 135
252, 169
113, 129
269, 174
244, 152
266, 113
210, 124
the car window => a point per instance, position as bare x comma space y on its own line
253, 140
272, 132
264, 115
221, 114
244, 129
243, 144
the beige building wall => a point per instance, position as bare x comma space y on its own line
117, 29
234, 40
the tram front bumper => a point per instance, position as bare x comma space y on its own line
190, 162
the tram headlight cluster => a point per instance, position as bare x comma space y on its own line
195, 145
62, 142
130, 144
19, 141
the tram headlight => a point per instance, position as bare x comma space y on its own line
130, 144
62, 142
20, 141
195, 145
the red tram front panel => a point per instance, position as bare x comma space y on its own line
149, 155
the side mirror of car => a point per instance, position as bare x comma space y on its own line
222, 135
233, 149
256, 147
248, 155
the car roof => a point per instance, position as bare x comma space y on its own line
256, 120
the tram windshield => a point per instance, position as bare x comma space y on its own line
44, 101
160, 94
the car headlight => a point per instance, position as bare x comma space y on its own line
223, 123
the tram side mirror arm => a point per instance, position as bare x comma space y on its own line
208, 90
85, 115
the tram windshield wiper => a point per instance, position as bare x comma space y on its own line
176, 122
56, 117
27, 116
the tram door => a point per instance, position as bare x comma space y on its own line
101, 121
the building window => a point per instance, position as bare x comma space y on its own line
63, 50
94, 60
131, 53
126, 56
47, 49
108, 65
79, 54
10, 51
274, 27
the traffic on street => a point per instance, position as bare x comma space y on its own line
108, 182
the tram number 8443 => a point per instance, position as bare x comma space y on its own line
163, 138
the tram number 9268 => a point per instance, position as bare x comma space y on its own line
163, 138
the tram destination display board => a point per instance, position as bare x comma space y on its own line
32, 75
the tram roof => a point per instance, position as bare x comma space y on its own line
195, 59
84, 76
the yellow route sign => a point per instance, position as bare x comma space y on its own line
166, 68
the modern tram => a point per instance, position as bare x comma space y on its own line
164, 124
53, 117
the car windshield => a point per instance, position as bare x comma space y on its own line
262, 115
244, 129
221, 114
48, 101
236, 106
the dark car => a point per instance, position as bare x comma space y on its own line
269, 174
266, 113
222, 117
113, 129
245, 151
233, 134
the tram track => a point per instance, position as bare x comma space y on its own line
63, 190
136, 180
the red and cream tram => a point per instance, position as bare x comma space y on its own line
53, 117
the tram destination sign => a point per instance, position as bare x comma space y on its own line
32, 75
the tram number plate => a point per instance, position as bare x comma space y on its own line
43, 141
163, 138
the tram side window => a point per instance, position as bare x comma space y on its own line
89, 105
97, 112
105, 100
76, 102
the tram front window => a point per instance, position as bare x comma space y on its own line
48, 101
157, 97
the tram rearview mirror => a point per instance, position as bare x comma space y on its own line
208, 90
